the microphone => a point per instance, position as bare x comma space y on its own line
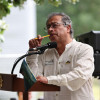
42, 48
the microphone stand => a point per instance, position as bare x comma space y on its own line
27, 54
25, 93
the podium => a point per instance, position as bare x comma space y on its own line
10, 82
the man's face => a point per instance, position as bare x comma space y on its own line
56, 29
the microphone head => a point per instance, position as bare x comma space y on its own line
52, 45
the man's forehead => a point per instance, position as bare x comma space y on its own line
55, 19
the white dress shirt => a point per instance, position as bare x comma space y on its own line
72, 71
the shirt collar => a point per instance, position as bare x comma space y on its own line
67, 46
70, 44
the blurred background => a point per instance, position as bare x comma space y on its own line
29, 21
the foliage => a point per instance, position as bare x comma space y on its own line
6, 4
55, 2
3, 27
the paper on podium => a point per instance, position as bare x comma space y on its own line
29, 78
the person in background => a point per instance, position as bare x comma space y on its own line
69, 66
20, 95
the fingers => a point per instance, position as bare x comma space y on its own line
39, 39
35, 42
38, 77
42, 79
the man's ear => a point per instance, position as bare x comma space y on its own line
68, 28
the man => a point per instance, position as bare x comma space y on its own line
69, 66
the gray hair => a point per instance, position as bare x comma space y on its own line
65, 19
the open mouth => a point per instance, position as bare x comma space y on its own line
53, 34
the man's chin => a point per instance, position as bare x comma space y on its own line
53, 39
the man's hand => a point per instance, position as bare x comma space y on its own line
42, 79
35, 42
